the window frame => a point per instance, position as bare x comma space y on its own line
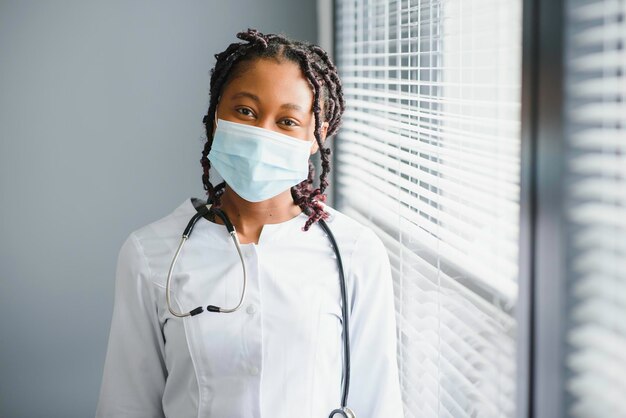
542, 280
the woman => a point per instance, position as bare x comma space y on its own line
273, 103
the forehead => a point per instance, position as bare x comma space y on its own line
273, 81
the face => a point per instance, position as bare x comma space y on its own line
272, 95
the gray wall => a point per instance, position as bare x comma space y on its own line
100, 133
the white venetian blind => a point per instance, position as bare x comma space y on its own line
429, 156
595, 69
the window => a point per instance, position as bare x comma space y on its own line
429, 156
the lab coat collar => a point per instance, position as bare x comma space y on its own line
269, 233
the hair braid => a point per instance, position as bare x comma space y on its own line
338, 88
314, 196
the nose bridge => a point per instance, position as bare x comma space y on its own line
266, 121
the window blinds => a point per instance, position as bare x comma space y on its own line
595, 84
429, 156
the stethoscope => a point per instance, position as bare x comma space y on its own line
343, 411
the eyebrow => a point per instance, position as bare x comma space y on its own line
254, 97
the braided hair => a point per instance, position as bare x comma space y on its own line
322, 76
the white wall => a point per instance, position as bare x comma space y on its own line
101, 106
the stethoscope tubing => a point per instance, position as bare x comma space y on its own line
186, 234
344, 313
344, 411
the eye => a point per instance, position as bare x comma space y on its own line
245, 111
289, 122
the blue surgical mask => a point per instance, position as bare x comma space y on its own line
257, 163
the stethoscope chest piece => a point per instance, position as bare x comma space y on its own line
344, 412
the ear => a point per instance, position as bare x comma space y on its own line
315, 147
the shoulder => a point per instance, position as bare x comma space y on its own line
348, 226
170, 225
361, 238
367, 263
342, 222
158, 238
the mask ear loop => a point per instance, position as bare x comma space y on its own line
215, 115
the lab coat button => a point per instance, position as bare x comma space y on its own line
254, 371
251, 309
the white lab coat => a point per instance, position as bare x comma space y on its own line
280, 355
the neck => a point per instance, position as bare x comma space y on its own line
249, 217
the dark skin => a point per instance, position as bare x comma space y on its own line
273, 95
